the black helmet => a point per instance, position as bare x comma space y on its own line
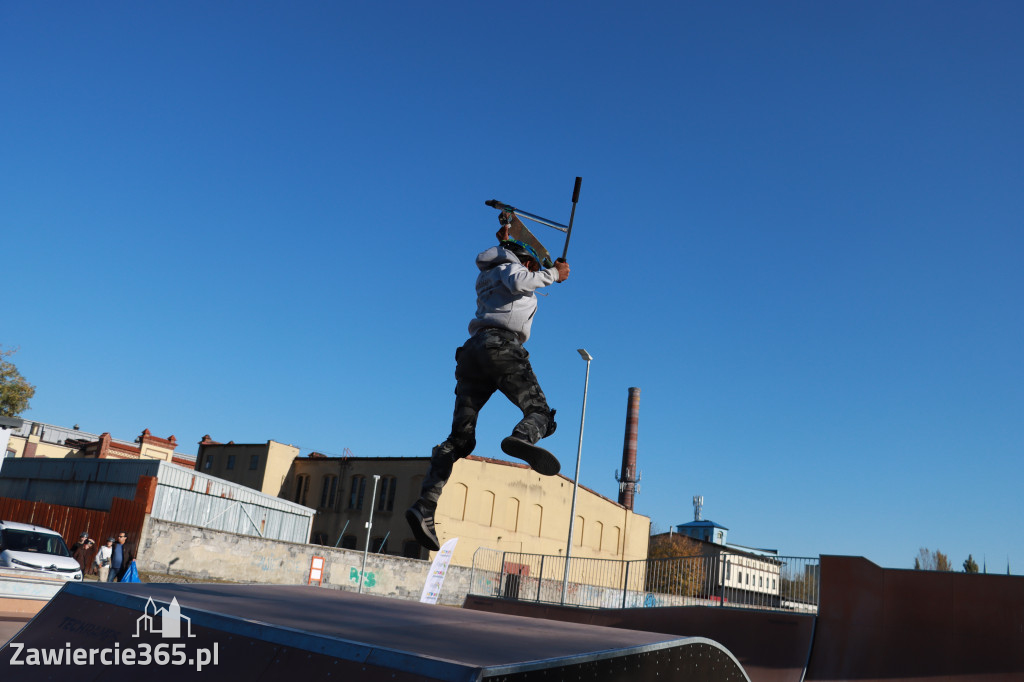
522, 251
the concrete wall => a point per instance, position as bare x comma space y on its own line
191, 552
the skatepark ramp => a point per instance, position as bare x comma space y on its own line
873, 625
771, 646
271, 632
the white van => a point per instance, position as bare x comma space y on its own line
34, 548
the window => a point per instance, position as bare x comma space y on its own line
387, 494
349, 542
301, 488
329, 493
231, 462
355, 500
208, 463
379, 545
254, 463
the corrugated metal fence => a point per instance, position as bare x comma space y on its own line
124, 515
198, 499
182, 495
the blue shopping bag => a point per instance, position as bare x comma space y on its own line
131, 575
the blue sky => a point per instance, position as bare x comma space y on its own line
799, 233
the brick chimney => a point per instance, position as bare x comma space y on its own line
629, 475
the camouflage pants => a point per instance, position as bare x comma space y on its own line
492, 360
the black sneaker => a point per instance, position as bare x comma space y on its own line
422, 528
539, 459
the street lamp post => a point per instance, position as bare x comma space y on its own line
369, 530
576, 481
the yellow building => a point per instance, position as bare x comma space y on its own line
261, 466
498, 504
489, 503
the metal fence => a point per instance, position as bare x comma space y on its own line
728, 579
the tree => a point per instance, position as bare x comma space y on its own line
970, 565
15, 392
675, 565
932, 561
801, 588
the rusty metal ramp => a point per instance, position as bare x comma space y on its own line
161, 632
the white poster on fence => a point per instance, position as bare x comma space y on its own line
438, 569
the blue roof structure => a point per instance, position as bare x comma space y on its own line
702, 524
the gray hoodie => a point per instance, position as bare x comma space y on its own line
504, 292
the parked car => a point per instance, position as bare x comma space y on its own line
34, 548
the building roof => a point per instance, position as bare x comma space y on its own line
76, 438
705, 523
753, 550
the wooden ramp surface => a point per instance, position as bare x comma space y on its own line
273, 632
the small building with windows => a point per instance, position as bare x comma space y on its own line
705, 531
261, 466
341, 489
735, 573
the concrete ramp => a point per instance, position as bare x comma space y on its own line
169, 632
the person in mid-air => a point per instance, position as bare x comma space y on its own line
493, 359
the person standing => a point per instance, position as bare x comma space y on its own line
81, 552
102, 560
120, 558
82, 539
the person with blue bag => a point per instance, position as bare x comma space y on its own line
121, 558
